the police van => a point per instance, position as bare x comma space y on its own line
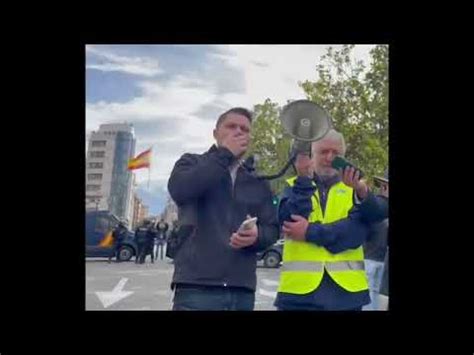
99, 228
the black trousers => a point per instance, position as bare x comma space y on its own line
202, 298
140, 258
114, 252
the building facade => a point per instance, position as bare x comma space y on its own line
109, 184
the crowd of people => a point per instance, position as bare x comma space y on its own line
150, 238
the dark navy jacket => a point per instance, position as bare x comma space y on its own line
337, 237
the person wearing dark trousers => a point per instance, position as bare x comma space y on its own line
215, 265
141, 241
151, 236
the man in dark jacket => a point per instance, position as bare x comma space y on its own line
141, 240
151, 236
215, 267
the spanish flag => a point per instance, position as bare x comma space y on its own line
141, 161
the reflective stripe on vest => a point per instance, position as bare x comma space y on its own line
317, 266
304, 263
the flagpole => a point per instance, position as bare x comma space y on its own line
149, 166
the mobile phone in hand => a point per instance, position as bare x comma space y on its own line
341, 163
247, 224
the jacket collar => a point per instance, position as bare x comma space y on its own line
328, 182
246, 164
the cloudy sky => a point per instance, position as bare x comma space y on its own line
173, 94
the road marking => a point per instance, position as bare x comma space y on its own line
266, 293
145, 272
108, 298
141, 274
269, 282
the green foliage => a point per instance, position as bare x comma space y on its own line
357, 99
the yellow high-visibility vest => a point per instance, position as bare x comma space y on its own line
304, 262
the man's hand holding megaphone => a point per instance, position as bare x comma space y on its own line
296, 229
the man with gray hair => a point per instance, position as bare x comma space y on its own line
323, 259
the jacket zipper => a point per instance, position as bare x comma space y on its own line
232, 184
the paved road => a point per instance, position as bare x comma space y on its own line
146, 287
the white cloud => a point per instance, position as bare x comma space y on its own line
172, 107
159, 103
273, 71
176, 102
108, 61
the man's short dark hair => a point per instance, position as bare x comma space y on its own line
237, 110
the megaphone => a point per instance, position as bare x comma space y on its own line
305, 122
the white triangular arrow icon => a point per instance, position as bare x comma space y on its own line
109, 298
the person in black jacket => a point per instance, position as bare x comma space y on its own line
215, 267
151, 236
141, 234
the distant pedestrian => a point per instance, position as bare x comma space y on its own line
151, 236
162, 229
141, 239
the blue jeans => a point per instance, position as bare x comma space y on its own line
202, 298
374, 270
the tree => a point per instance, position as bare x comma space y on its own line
357, 100
270, 145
